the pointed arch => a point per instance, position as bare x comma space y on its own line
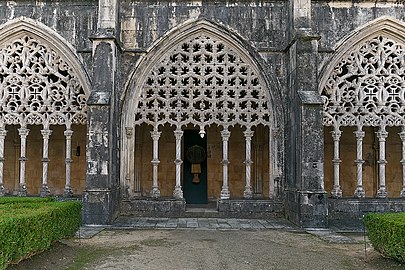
363, 61
23, 25
44, 79
186, 31
363, 87
158, 93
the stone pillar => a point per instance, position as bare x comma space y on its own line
225, 134
46, 133
23, 132
305, 197
128, 188
178, 193
248, 162
102, 194
155, 134
68, 160
359, 193
402, 136
337, 191
3, 133
382, 134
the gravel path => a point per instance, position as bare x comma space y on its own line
215, 249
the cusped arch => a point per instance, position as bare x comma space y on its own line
362, 84
43, 79
170, 45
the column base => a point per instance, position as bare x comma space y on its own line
22, 190
45, 191
2, 191
337, 192
178, 193
359, 193
248, 194
155, 193
403, 193
68, 192
382, 192
225, 195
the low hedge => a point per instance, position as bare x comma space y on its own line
6, 200
31, 227
387, 234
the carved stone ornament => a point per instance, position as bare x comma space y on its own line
38, 85
202, 81
367, 86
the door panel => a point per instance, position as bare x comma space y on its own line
195, 191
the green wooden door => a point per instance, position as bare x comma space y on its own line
195, 160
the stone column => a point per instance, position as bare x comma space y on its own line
248, 162
46, 133
3, 133
178, 193
382, 134
225, 134
402, 136
68, 161
155, 134
359, 193
129, 162
337, 191
23, 132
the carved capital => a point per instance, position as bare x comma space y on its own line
68, 133
46, 133
336, 135
129, 131
23, 132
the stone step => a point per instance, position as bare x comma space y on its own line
201, 212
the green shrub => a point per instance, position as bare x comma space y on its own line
6, 200
29, 228
387, 234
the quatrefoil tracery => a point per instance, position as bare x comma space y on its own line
38, 86
367, 86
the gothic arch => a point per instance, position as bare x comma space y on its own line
363, 87
32, 41
202, 75
43, 85
133, 87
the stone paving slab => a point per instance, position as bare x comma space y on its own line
331, 236
125, 222
86, 232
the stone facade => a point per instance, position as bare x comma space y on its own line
297, 106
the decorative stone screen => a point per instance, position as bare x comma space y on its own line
202, 82
367, 88
38, 87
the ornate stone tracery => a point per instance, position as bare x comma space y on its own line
367, 86
38, 86
202, 81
